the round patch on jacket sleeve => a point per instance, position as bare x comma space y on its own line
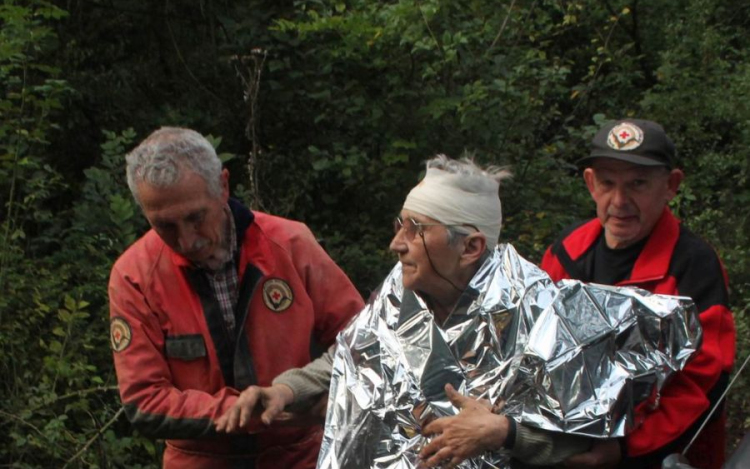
119, 334
277, 295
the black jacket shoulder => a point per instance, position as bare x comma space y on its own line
698, 271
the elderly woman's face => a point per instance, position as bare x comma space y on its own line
412, 243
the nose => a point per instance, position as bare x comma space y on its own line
186, 239
619, 197
398, 243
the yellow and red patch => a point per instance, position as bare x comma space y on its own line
277, 295
119, 334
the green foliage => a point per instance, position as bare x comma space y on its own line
60, 403
31, 95
352, 97
714, 149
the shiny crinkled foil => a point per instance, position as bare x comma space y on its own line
572, 357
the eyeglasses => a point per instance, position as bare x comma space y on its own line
411, 227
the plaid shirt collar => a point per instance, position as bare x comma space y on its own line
225, 280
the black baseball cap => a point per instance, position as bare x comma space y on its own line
636, 141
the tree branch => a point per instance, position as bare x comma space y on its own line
95, 437
24, 422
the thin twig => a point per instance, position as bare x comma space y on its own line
251, 85
513, 120
30, 425
502, 26
184, 63
429, 29
716, 406
590, 86
81, 393
13, 182
95, 437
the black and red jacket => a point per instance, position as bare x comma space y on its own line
179, 369
673, 261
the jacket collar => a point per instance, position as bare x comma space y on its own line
652, 263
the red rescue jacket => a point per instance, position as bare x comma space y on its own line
179, 369
674, 262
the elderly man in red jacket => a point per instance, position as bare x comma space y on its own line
213, 299
637, 241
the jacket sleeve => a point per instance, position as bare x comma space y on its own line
690, 394
152, 403
335, 300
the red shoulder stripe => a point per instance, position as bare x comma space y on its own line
580, 240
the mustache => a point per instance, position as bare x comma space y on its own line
199, 244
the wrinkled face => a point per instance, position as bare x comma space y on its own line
188, 218
629, 198
418, 274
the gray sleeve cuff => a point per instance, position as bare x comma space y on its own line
310, 382
540, 447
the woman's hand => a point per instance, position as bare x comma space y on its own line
469, 434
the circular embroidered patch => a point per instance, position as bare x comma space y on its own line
625, 136
119, 334
277, 295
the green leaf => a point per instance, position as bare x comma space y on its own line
214, 141
321, 164
225, 157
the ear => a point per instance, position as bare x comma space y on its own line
224, 179
589, 177
474, 246
673, 183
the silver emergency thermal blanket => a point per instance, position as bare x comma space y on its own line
572, 357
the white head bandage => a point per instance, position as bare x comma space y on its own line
458, 199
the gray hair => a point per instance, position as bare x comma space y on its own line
454, 236
160, 159
467, 167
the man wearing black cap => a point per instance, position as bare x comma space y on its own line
636, 241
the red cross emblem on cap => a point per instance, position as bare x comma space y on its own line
625, 136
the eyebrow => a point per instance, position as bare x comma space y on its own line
189, 217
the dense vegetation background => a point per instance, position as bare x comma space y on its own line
324, 111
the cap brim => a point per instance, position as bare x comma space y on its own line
618, 155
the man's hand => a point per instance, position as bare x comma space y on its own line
470, 433
604, 454
273, 400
